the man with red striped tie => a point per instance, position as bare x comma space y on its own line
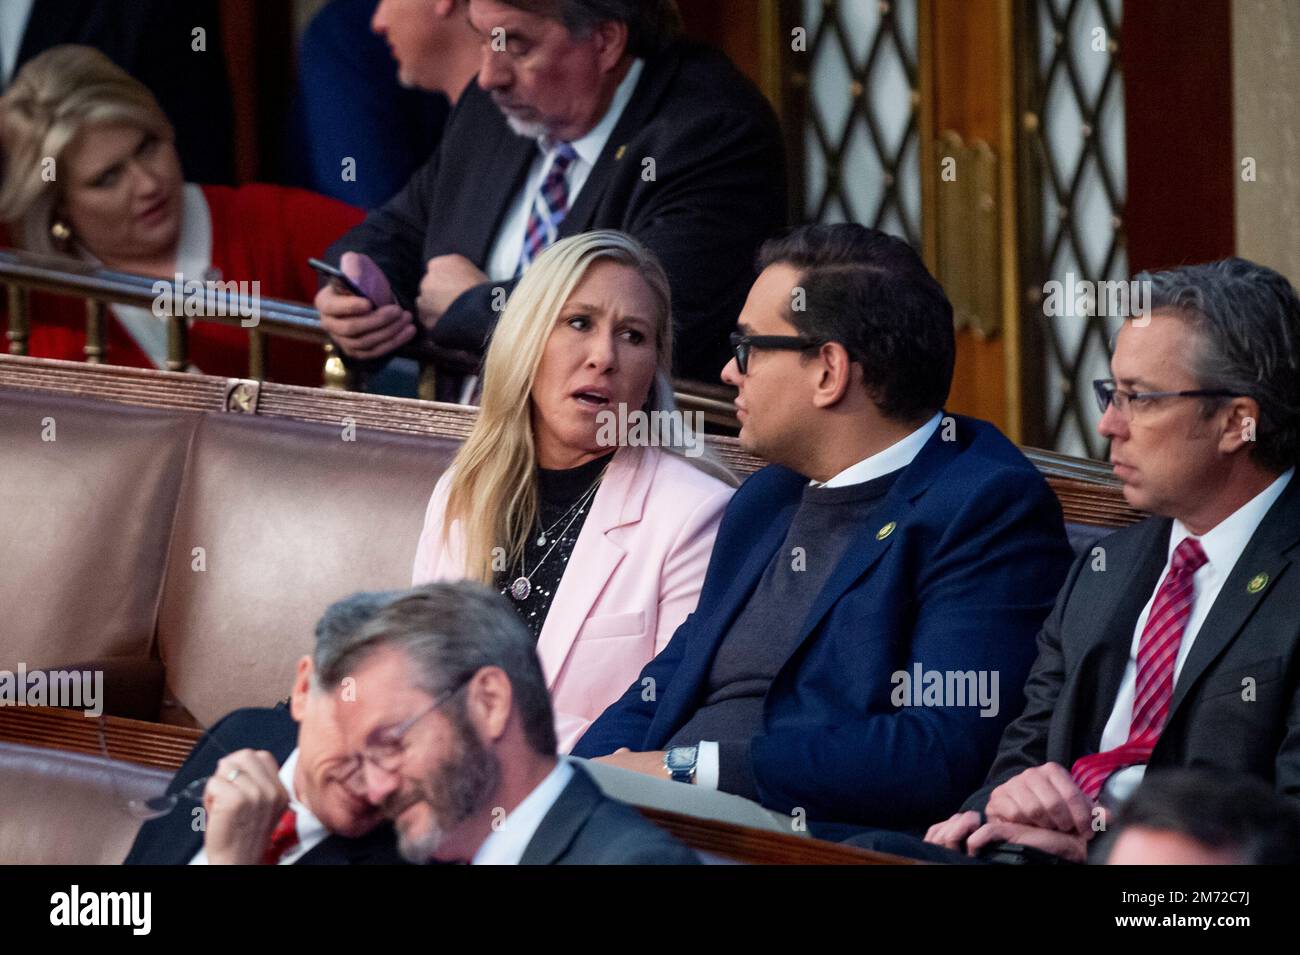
1174, 642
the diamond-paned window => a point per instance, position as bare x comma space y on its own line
861, 160
1075, 138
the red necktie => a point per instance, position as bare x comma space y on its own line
283, 838
1157, 653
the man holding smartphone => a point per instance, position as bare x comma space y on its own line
579, 120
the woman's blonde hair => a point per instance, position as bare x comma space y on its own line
53, 98
493, 490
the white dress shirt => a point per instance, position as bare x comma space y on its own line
311, 831
14, 15
503, 259
507, 842
1222, 544
898, 455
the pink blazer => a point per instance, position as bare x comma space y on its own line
635, 575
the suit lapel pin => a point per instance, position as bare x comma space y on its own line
621, 150
1257, 583
886, 531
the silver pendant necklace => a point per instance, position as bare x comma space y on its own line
523, 585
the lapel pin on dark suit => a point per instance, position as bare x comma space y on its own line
886, 530
1257, 583
621, 151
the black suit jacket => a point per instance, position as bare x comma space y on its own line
153, 41
1236, 705
718, 191
172, 840
586, 827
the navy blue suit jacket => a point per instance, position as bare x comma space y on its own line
962, 582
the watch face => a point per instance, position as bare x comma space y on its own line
680, 758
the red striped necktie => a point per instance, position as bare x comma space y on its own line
1157, 653
283, 838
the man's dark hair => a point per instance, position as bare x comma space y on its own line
651, 24
871, 293
1248, 320
1236, 814
448, 632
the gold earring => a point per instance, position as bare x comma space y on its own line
61, 232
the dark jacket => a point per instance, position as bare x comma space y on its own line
172, 839
586, 827
1236, 705
961, 582
718, 190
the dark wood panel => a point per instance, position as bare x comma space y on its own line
1177, 61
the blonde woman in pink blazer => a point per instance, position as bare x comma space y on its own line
598, 534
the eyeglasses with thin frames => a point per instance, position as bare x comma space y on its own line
386, 749
1125, 401
742, 345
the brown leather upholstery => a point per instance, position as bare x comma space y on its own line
63, 808
290, 517
84, 524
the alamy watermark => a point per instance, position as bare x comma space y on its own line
620, 428
1081, 298
194, 299
74, 689
945, 688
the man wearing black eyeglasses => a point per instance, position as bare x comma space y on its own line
1175, 642
887, 545
276, 786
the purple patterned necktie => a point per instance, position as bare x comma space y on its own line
549, 206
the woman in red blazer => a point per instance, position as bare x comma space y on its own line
91, 171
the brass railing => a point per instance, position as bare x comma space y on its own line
24, 272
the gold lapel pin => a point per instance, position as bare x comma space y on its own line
1257, 583
621, 150
886, 531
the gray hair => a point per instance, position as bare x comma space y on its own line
341, 621
448, 632
651, 24
1248, 320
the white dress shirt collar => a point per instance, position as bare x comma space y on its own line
1224, 542
311, 831
506, 844
898, 455
504, 254
589, 147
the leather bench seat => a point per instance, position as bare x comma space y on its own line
291, 517
205, 545
62, 808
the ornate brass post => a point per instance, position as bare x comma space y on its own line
19, 320
95, 331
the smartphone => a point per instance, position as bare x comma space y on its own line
337, 279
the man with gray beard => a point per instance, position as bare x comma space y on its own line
586, 114
448, 709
